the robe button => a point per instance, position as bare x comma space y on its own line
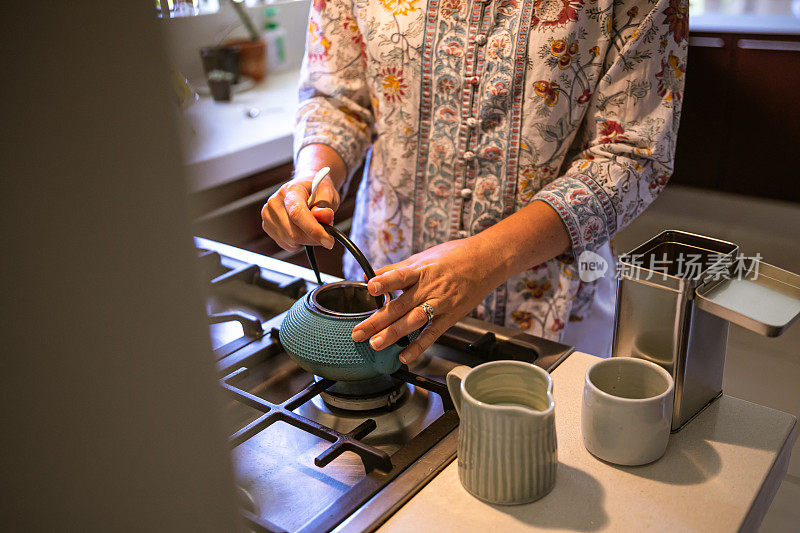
463, 234
473, 80
480, 39
472, 122
466, 193
469, 155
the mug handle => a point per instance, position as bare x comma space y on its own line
454, 379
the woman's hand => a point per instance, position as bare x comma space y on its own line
287, 218
453, 277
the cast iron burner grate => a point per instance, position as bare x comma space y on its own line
252, 275
380, 468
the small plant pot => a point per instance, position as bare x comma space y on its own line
252, 57
220, 90
220, 58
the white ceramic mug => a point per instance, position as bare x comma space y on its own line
626, 412
507, 436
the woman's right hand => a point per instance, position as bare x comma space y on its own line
287, 218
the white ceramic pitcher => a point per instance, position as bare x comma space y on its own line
507, 451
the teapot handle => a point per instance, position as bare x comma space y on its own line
334, 232
350, 247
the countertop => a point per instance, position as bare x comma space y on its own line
751, 23
719, 473
221, 143
745, 16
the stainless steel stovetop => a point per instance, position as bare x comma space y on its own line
314, 455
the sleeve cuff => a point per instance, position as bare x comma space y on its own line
585, 208
351, 155
346, 136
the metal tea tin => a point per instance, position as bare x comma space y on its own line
677, 295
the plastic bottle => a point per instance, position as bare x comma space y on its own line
275, 37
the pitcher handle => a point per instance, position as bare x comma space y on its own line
454, 379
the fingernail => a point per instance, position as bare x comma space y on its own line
376, 342
403, 359
328, 243
376, 287
359, 335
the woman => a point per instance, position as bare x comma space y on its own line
504, 139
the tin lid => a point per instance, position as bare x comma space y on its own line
676, 260
755, 295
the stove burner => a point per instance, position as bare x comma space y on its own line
386, 401
411, 413
382, 392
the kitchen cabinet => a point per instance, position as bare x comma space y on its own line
741, 115
767, 109
704, 115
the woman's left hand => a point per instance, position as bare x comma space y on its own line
452, 277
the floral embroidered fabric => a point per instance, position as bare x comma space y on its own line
468, 110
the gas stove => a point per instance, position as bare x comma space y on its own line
311, 454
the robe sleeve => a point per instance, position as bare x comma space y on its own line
334, 106
624, 152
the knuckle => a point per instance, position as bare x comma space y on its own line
393, 332
403, 276
389, 310
413, 351
432, 332
395, 309
296, 190
295, 212
369, 328
295, 237
425, 273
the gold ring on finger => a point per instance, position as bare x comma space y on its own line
428, 308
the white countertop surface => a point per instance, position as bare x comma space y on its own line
752, 16
719, 473
221, 143
745, 23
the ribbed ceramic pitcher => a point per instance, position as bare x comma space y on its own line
507, 451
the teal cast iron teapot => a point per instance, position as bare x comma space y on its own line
317, 330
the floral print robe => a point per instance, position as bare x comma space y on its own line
468, 110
